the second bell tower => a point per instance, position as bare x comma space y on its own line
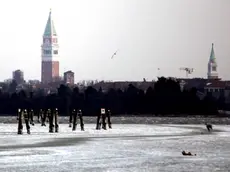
212, 65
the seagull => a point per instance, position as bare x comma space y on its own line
114, 54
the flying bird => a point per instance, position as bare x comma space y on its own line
114, 54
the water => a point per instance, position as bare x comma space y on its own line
127, 147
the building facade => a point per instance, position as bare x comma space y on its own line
69, 77
50, 53
212, 66
18, 76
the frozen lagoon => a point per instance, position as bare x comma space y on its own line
126, 147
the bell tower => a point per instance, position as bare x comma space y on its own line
212, 65
49, 53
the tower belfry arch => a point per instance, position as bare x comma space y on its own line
49, 52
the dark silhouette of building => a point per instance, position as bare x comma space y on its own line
18, 76
69, 77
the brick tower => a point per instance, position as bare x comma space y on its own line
50, 54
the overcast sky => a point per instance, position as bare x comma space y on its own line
150, 34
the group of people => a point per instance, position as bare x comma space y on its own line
51, 116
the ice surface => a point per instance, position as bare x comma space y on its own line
126, 147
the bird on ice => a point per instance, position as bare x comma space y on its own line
114, 54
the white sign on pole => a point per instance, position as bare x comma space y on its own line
102, 111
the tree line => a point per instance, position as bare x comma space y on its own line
166, 97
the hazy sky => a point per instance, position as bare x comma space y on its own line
150, 34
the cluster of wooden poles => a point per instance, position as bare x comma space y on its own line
51, 116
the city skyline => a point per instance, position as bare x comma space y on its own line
149, 35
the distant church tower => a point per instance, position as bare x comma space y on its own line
212, 65
50, 54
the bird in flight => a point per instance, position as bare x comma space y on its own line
114, 54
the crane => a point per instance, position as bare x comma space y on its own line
187, 70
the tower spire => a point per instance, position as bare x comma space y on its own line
50, 29
212, 55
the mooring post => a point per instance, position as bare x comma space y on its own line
51, 125
26, 118
74, 114
81, 120
20, 126
109, 118
56, 120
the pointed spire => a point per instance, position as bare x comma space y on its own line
212, 56
50, 29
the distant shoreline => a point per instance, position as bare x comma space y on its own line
145, 119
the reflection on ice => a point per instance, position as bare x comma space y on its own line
124, 148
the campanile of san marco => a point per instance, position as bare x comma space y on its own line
49, 53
